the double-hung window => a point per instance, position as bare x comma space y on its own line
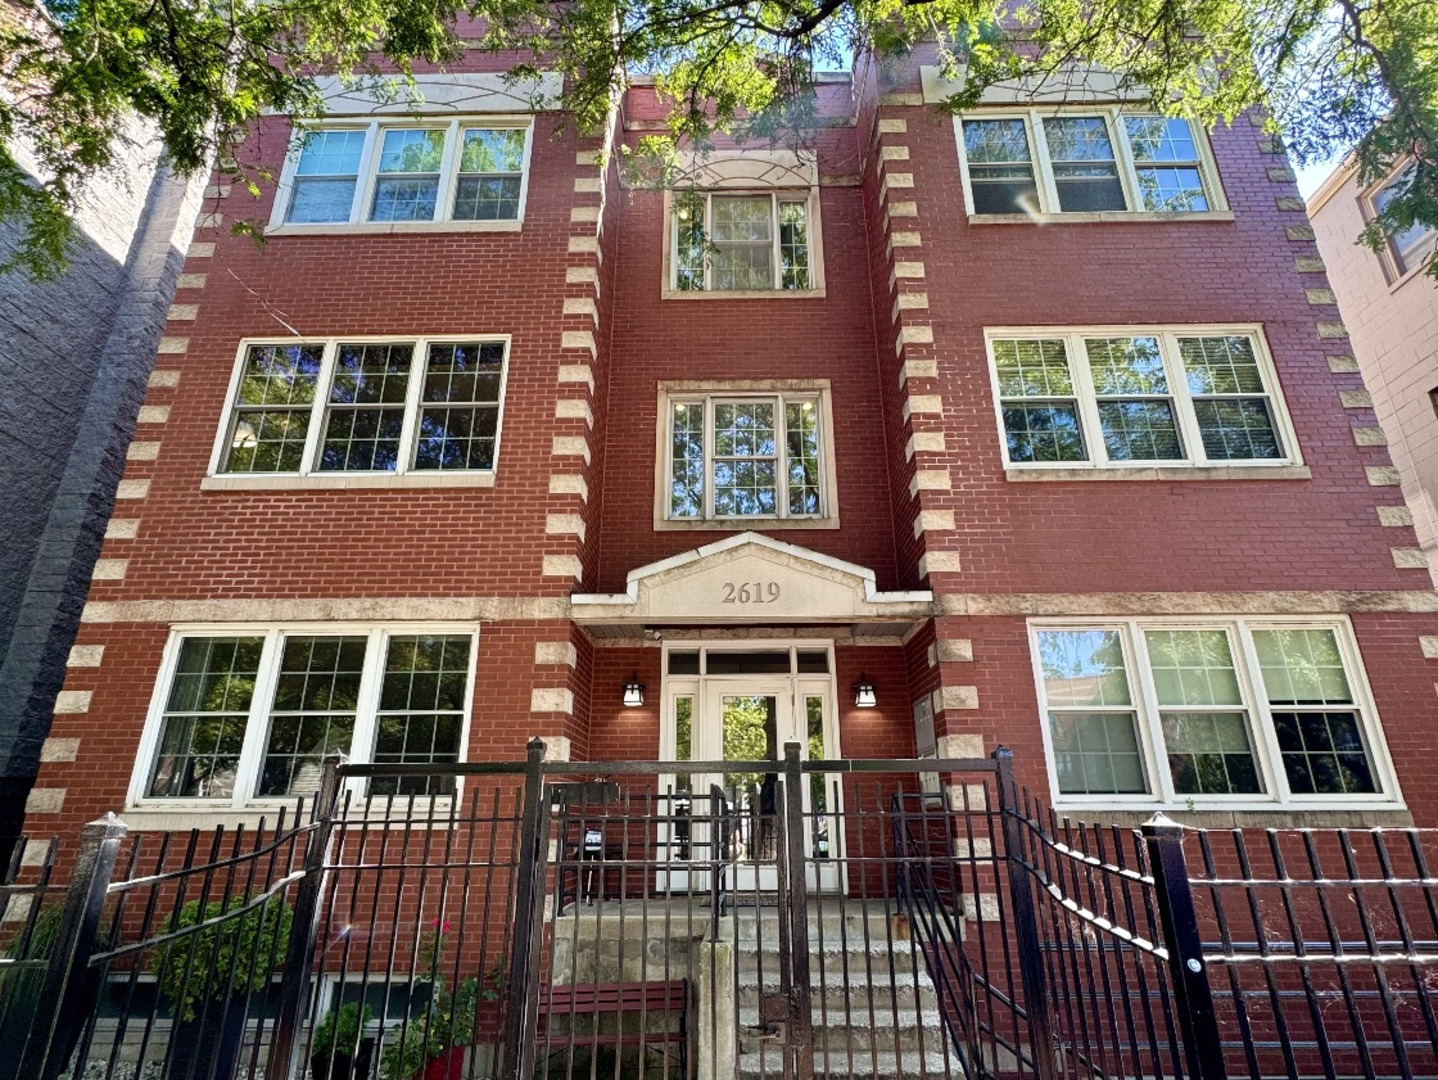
1220, 713
1138, 397
722, 241
1038, 162
1411, 247
252, 714
746, 456
351, 405
379, 173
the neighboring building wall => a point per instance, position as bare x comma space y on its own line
74, 357
1393, 318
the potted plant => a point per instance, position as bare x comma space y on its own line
433, 1043
208, 970
339, 1048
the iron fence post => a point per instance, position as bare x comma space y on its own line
1025, 922
1198, 1025
801, 1016
300, 952
65, 1001
523, 1004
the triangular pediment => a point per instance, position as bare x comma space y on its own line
750, 577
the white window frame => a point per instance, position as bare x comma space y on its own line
1267, 757
374, 130
1113, 116
709, 393
257, 725
404, 473
1394, 262
808, 196
1187, 419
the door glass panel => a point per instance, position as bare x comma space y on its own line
771, 662
751, 733
684, 782
818, 782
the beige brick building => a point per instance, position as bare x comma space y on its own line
1390, 307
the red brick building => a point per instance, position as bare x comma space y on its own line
1039, 421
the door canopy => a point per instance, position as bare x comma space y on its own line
750, 578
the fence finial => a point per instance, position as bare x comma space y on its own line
109, 825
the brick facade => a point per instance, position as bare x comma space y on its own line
924, 499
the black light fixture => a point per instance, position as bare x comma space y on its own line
633, 692
864, 696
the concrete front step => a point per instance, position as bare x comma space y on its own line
856, 1030
768, 1064
881, 992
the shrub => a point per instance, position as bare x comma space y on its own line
232, 952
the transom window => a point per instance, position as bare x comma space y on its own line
346, 406
377, 172
1413, 246
737, 242
253, 715
1195, 396
1233, 711
1085, 162
746, 456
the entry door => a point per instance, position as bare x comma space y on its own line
751, 720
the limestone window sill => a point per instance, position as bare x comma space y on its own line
151, 817
744, 524
743, 294
1167, 474
1104, 217
382, 228
1275, 816
342, 482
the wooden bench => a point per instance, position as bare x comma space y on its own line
569, 1002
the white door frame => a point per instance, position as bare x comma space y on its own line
706, 737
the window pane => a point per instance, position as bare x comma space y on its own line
1171, 190
1412, 244
1160, 138
366, 414
744, 429
408, 182
1221, 365
1083, 667
272, 414
801, 422
1192, 667
743, 242
1237, 429
1097, 753
1001, 172
1139, 430
1043, 433
1209, 753
794, 245
744, 489
491, 150
1126, 366
1033, 368
745, 481
689, 241
1302, 667
1084, 166
1323, 753
316, 694
325, 176
684, 663
459, 411
316, 201
686, 493
205, 717
421, 713
486, 198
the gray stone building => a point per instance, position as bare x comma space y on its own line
75, 354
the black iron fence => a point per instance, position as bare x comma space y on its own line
736, 921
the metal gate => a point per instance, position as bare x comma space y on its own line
514, 921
